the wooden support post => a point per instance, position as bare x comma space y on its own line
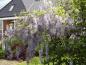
2, 40
14, 24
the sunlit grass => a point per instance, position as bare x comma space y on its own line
33, 61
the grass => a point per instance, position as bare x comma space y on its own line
33, 61
1, 52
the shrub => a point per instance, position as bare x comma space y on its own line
2, 54
15, 41
17, 49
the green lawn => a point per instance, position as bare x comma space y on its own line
34, 61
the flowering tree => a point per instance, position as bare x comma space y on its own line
55, 30
39, 28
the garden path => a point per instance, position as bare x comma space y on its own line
8, 62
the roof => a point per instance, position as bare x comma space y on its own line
3, 3
12, 8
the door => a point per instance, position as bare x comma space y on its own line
7, 24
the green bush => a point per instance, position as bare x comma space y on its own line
17, 48
16, 44
1, 53
15, 41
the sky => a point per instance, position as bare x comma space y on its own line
3, 3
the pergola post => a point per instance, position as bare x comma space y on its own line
2, 40
14, 24
2, 29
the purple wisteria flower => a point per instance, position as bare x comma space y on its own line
70, 62
41, 55
47, 52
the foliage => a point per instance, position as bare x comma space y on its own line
33, 61
63, 49
15, 41
14, 48
39, 12
2, 54
80, 5
59, 11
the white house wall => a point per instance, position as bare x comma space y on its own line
1, 28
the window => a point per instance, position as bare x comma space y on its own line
11, 8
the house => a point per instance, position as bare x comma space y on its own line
9, 9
